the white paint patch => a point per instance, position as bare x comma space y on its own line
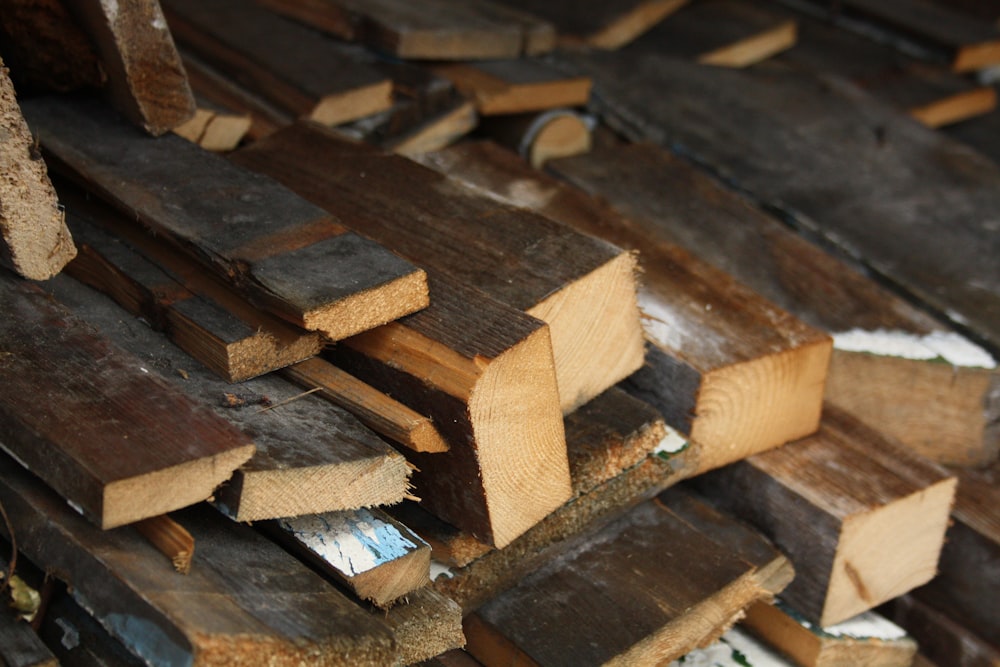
75, 506
949, 346
439, 569
735, 648
159, 23
868, 625
70, 637
671, 443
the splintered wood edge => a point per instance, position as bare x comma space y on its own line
371, 308
344, 107
956, 108
170, 538
632, 24
753, 406
596, 331
145, 496
384, 587
754, 49
911, 529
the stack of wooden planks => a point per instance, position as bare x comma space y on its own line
365, 393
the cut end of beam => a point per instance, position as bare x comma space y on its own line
630, 26
755, 49
354, 104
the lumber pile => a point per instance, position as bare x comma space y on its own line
661, 366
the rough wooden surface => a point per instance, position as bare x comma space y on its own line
546, 269
146, 80
246, 601
943, 640
289, 256
945, 411
34, 240
297, 69
862, 520
426, 624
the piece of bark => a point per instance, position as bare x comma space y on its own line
86, 417
146, 80
927, 228
286, 255
375, 556
662, 580
437, 30
35, 240
841, 504
539, 138
484, 373
298, 70
20, 645
942, 639
711, 341
311, 456
246, 600
425, 624
886, 367
602, 25
516, 86
546, 269
866, 640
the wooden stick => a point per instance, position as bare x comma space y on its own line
171, 538
34, 240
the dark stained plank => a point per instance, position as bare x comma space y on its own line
245, 600
942, 639
861, 519
651, 586
20, 646
87, 417
311, 456
919, 215
435, 30
287, 255
569, 280
516, 86
941, 410
540, 137
297, 69
34, 240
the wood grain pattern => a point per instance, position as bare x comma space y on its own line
287, 255
246, 601
34, 240
925, 228
837, 503
296, 69
518, 257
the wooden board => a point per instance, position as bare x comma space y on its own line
299, 70
484, 373
425, 625
375, 556
311, 456
862, 519
287, 255
20, 646
942, 639
919, 215
546, 269
34, 240
516, 86
648, 588
437, 30
78, 640
436, 131
711, 341
941, 410
602, 25
86, 417
146, 80
246, 600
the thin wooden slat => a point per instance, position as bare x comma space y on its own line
245, 601
289, 256
516, 86
297, 69
34, 240
88, 419
520, 258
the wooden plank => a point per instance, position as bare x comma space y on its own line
78, 640
484, 373
942, 640
841, 504
287, 255
146, 80
711, 341
311, 456
426, 625
546, 269
436, 30
375, 556
86, 417
215, 128
20, 646
35, 240
647, 589
246, 599
724, 33
299, 70
883, 368
867, 639
927, 226
171, 538
516, 86
602, 25
539, 138
435, 132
